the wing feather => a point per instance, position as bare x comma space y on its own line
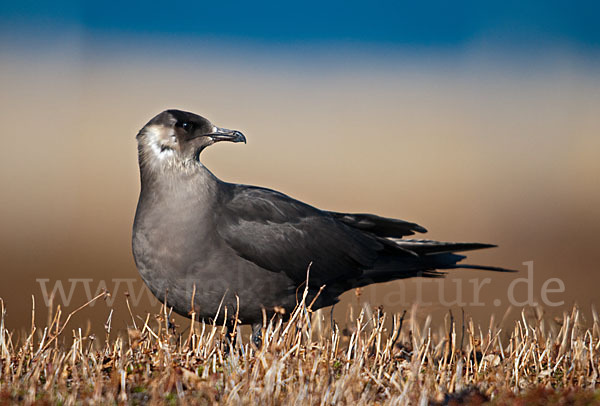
282, 234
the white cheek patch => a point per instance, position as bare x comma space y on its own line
157, 138
163, 153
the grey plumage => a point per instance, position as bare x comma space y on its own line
253, 243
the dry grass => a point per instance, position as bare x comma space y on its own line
373, 360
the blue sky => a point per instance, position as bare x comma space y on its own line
424, 24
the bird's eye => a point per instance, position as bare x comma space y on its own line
186, 125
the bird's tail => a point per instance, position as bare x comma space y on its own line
426, 258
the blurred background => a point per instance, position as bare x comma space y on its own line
478, 120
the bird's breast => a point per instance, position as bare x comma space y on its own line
169, 234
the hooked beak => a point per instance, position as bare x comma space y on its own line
223, 134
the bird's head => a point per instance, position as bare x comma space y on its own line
178, 137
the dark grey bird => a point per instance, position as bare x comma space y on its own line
197, 236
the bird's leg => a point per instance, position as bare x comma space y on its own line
230, 332
230, 338
257, 334
331, 317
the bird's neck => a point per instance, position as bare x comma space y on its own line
168, 182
